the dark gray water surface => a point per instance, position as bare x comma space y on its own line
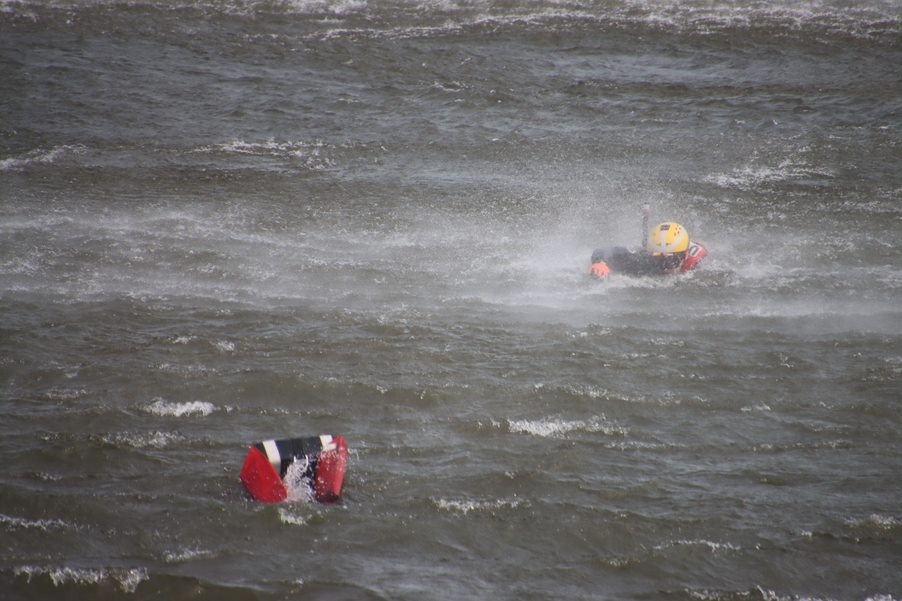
224, 221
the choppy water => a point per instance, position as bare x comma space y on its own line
223, 221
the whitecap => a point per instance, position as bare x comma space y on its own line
186, 554
65, 394
714, 547
225, 346
639, 445
15, 523
140, 440
190, 370
881, 522
164, 408
592, 392
751, 177
311, 154
127, 579
39, 157
291, 518
465, 506
555, 428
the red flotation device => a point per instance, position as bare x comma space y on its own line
322, 461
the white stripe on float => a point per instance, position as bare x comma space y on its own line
326, 441
272, 453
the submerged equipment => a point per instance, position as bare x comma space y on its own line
322, 461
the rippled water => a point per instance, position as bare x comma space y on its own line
227, 221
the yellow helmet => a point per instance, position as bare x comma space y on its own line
667, 238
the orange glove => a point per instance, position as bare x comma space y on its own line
599, 270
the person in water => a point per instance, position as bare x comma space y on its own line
667, 250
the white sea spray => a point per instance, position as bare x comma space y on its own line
297, 482
714, 547
15, 523
127, 579
40, 157
549, 427
186, 554
141, 440
466, 506
286, 516
162, 407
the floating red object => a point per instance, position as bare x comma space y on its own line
323, 459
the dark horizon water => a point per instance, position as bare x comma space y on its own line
225, 221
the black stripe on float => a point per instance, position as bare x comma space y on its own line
300, 449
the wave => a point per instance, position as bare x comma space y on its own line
48, 582
127, 579
185, 555
40, 156
465, 506
141, 440
790, 21
876, 522
16, 523
558, 428
712, 546
760, 593
291, 518
875, 19
65, 394
165, 408
752, 177
311, 155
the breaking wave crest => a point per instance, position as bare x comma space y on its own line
127, 579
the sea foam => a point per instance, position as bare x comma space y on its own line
165, 408
554, 428
465, 506
127, 579
39, 157
15, 523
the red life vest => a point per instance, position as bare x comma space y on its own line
694, 254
